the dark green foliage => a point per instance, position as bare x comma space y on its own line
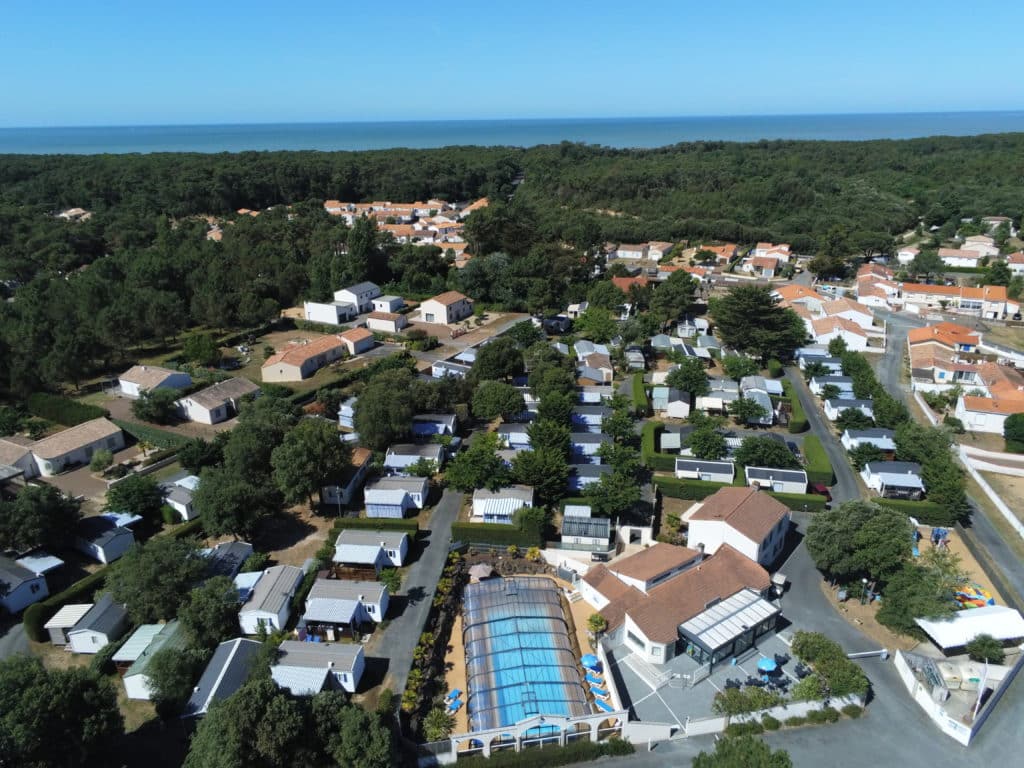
708, 444
742, 750
737, 701
853, 711
1013, 432
310, 457
478, 466
738, 366
136, 495
103, 662
748, 728
818, 467
615, 494
794, 722
62, 410
859, 539
749, 321
377, 523
494, 533
691, 376
853, 418
686, 489
39, 516
209, 613
496, 398
156, 405
154, 579
172, 674
659, 462
922, 589
808, 502
385, 408
198, 453
579, 751
770, 723
986, 648
545, 469
63, 717
765, 452
161, 438
641, 403
499, 360
775, 369
926, 512
840, 676
201, 348
863, 454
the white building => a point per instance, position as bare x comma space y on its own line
360, 296
227, 671
708, 471
218, 402
269, 603
499, 506
446, 308
906, 254
146, 378
777, 480
389, 304
379, 549
104, 623
986, 414
328, 313
133, 657
76, 445
394, 496
102, 539
386, 322
752, 522
305, 669
20, 587
959, 257
883, 439
400, 457
894, 479
344, 604
834, 408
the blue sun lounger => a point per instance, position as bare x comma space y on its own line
598, 691
454, 706
604, 706
595, 679
454, 693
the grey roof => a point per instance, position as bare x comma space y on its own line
180, 495
579, 438
104, 617
590, 470
171, 635
12, 574
362, 287
368, 538
227, 671
100, 530
407, 484
440, 418
893, 468
275, 588
226, 558
345, 589
521, 493
698, 465
511, 428
832, 379
592, 410
592, 527
872, 432
432, 451
340, 656
770, 473
447, 365
223, 392
843, 403
576, 510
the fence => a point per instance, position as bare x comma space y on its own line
987, 461
1004, 510
926, 409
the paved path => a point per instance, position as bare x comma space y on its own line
845, 487
421, 579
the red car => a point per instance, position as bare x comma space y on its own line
822, 490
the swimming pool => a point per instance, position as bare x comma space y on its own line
519, 657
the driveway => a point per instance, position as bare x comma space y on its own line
845, 487
398, 641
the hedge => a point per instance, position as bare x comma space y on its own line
797, 417
161, 438
819, 467
659, 462
926, 512
694, 490
494, 533
191, 528
641, 404
579, 751
410, 526
63, 410
797, 501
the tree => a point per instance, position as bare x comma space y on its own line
674, 297
392, 579
310, 457
998, 273
814, 369
691, 376
549, 434
596, 623
231, 504
39, 516
859, 539
210, 612
478, 466
853, 418
736, 367
201, 348
749, 320
921, 590
597, 324
927, 264
864, 454
157, 405
1013, 432
172, 674
556, 408
154, 579
746, 411
350, 735
889, 412
438, 724
546, 469
525, 334
65, 717
985, 648
499, 360
765, 452
619, 425
384, 410
707, 444
496, 398
742, 752
136, 495
198, 453
614, 494
837, 346
422, 467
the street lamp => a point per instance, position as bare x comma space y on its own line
863, 591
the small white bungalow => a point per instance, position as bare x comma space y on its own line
709, 471
104, 623
305, 669
269, 602
778, 480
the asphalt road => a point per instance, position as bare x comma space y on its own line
421, 579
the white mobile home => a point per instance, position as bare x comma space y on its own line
269, 603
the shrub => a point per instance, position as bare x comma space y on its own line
926, 512
774, 369
853, 711
496, 534
770, 723
819, 467
641, 404
793, 722
580, 751
35, 616
817, 717
62, 410
386, 703
169, 515
257, 561
797, 416
101, 460
831, 714
191, 528
749, 728
377, 524
161, 438
986, 648
102, 663
686, 489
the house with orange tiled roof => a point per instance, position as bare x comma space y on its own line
780, 251
476, 205
625, 283
789, 295
664, 601
1006, 396
987, 301
723, 253
1015, 261
748, 519
850, 310
301, 359
958, 338
446, 308
824, 329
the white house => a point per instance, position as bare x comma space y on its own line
104, 623
102, 539
850, 310
180, 500
883, 439
218, 402
360, 296
442, 368
514, 434
430, 424
1015, 261
959, 257
401, 456
586, 533
986, 414
778, 480
227, 671
76, 445
342, 603
446, 308
380, 549
980, 244
394, 496
388, 304
894, 479
269, 603
386, 322
328, 312
347, 413
709, 471
16, 452
752, 522
305, 669
20, 587
133, 657
834, 408
906, 254
843, 383
357, 340
826, 329
146, 378
627, 251
300, 360
64, 620
499, 506
657, 249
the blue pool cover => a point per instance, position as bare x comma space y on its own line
519, 658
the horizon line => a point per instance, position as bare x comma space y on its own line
510, 119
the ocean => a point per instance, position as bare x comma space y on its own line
611, 132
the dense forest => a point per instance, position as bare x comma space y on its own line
140, 269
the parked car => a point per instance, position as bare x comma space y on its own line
822, 490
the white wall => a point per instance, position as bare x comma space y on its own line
976, 421
329, 314
137, 687
87, 641
652, 652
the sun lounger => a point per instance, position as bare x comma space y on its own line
600, 692
595, 679
454, 693
604, 706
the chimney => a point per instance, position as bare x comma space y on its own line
700, 553
330, 664
362, 598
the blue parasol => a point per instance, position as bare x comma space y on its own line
767, 665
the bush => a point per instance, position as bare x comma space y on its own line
926, 512
819, 467
659, 462
411, 527
817, 717
749, 728
102, 663
101, 460
63, 410
775, 369
986, 648
797, 501
191, 528
169, 515
161, 438
580, 751
831, 714
35, 616
770, 723
495, 533
163, 453
954, 424
793, 722
853, 711
386, 703
257, 561
695, 490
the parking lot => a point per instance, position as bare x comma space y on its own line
675, 701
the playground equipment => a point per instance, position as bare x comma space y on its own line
973, 596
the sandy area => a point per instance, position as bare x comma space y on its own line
1010, 489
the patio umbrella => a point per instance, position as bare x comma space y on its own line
590, 661
481, 571
767, 665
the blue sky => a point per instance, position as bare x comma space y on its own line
219, 61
